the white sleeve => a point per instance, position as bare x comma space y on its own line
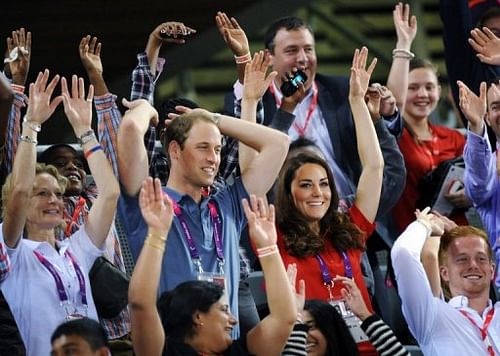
418, 302
84, 249
238, 90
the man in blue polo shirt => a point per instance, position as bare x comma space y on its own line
207, 228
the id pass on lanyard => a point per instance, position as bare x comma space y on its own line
72, 310
212, 277
352, 321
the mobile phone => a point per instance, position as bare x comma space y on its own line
164, 33
288, 88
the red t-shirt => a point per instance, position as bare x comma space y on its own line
308, 269
420, 158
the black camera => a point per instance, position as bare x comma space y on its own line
289, 87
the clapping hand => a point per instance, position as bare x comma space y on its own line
486, 44
19, 67
77, 107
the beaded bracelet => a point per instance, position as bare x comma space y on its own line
243, 59
92, 150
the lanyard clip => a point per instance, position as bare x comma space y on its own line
329, 287
221, 263
197, 262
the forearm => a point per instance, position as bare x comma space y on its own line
272, 333
153, 51
430, 261
146, 329
258, 137
23, 176
240, 69
382, 336
132, 156
108, 123
13, 128
480, 168
103, 209
97, 80
247, 154
6, 100
397, 81
370, 182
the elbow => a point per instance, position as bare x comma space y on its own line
282, 143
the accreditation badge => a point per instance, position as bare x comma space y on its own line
212, 277
352, 321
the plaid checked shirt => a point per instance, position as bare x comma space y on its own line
4, 262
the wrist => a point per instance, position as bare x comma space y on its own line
266, 251
402, 53
85, 135
19, 80
244, 58
477, 128
403, 45
288, 105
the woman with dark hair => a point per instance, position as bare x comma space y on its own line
312, 233
194, 318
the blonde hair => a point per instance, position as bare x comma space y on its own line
40, 168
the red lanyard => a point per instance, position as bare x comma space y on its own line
74, 218
312, 106
483, 330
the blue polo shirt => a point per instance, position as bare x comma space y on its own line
177, 265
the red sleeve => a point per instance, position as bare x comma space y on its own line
361, 221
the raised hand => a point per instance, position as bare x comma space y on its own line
260, 218
19, 67
473, 107
360, 76
90, 54
353, 297
143, 110
233, 34
256, 82
77, 107
300, 296
431, 221
172, 32
156, 207
486, 44
406, 26
40, 107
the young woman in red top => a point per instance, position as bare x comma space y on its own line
312, 234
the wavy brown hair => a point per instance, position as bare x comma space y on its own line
300, 240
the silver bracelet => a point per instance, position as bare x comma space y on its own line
86, 137
28, 139
35, 126
402, 53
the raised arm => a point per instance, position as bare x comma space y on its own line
40, 108
370, 155
132, 156
406, 29
236, 40
256, 84
6, 100
147, 331
90, 55
271, 146
18, 67
269, 336
78, 109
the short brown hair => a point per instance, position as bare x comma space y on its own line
62, 181
458, 232
178, 129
